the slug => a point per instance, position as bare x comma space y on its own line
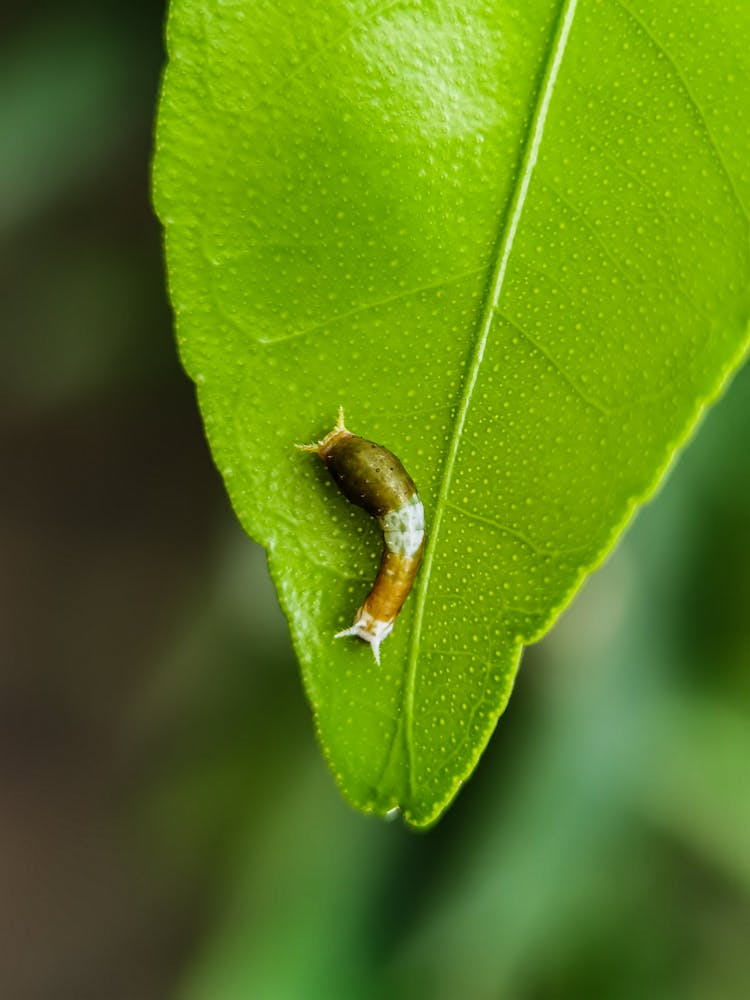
372, 477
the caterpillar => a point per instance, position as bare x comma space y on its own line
372, 477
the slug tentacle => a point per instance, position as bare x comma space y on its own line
372, 477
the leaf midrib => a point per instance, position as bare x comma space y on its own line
505, 243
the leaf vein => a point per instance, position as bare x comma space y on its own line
693, 102
505, 245
589, 400
367, 306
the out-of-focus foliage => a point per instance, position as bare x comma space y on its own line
168, 829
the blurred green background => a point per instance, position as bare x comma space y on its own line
167, 825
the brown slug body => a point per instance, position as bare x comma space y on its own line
372, 477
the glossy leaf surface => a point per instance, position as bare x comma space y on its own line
512, 241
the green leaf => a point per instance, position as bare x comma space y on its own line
512, 241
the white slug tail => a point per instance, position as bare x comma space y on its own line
370, 629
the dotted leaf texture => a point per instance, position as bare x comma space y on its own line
511, 239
